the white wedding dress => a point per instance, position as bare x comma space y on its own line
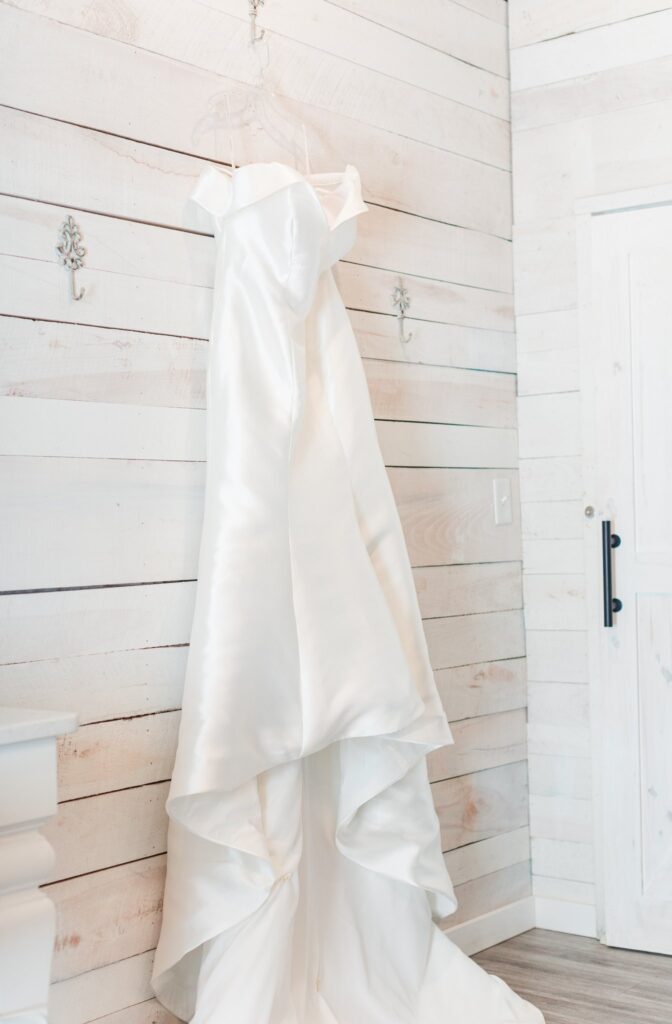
304, 859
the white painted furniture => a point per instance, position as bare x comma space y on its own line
27, 917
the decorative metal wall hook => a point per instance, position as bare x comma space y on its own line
254, 5
401, 301
71, 253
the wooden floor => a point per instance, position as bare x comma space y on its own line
579, 981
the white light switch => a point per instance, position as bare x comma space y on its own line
501, 492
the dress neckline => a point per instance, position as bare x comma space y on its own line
224, 191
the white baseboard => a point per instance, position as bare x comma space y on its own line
564, 916
496, 926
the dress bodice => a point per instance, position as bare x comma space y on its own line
293, 226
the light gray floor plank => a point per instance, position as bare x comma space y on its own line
574, 980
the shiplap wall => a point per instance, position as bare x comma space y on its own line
102, 411
591, 105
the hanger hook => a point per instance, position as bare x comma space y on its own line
401, 301
255, 37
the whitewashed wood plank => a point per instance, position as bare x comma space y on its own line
552, 775
551, 479
475, 807
479, 743
591, 95
340, 84
100, 430
554, 656
432, 300
552, 520
43, 672
546, 332
40, 288
124, 431
444, 445
468, 589
549, 372
149, 1012
94, 521
463, 640
135, 623
631, 148
560, 817
122, 630
561, 155
103, 830
483, 895
441, 395
77, 363
447, 516
340, 32
70, 623
563, 889
65, 76
131, 264
551, 556
106, 916
440, 344
588, 52
109, 756
140, 182
554, 602
72, 362
477, 859
496, 10
406, 244
106, 829
557, 858
116, 755
482, 689
545, 266
549, 425
117, 684
444, 26
101, 991
559, 719
531, 21
149, 514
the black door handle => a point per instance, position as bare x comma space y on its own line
610, 603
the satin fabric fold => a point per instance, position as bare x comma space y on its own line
304, 861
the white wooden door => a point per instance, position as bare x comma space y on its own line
630, 338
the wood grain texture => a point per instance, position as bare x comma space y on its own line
575, 979
532, 21
491, 891
102, 407
143, 183
626, 41
106, 916
479, 743
70, 86
102, 991
475, 807
484, 688
152, 530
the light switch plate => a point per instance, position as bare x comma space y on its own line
501, 492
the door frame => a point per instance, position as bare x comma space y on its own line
585, 209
